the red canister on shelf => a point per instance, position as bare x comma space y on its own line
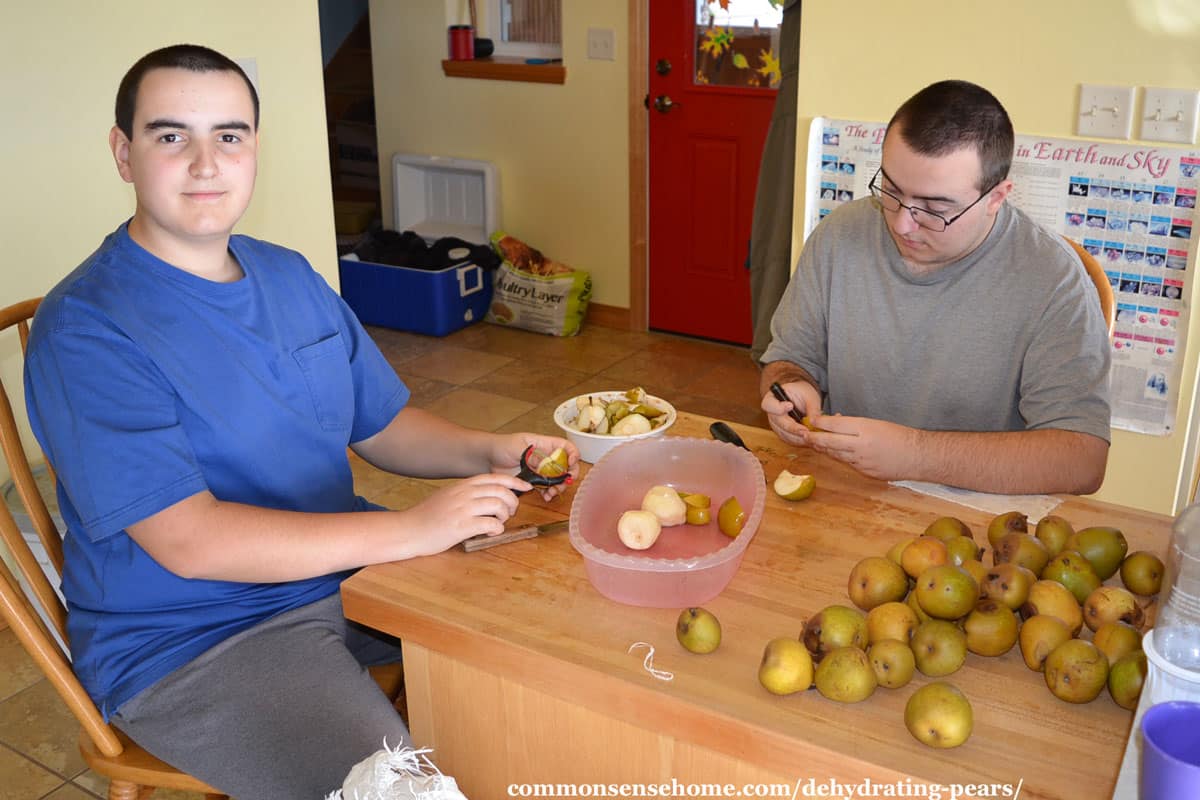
462, 43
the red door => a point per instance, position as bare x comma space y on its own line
708, 121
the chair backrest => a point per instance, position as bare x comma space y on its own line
1103, 287
19, 604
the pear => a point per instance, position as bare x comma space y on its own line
1073, 571
1004, 524
833, 627
946, 528
786, 667
991, 628
630, 425
794, 487
1142, 573
1009, 584
666, 504
976, 570
946, 592
698, 630
939, 715
1104, 547
1112, 604
891, 621
1023, 549
893, 663
874, 581
845, 675
1117, 639
1053, 531
962, 548
921, 614
922, 553
1039, 637
1126, 679
939, 647
1076, 671
1054, 599
731, 518
638, 530
896, 551
554, 464
698, 515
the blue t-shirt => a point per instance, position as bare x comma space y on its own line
145, 385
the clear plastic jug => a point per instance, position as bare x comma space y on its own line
1177, 629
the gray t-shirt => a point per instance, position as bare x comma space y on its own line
1009, 338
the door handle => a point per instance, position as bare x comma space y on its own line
664, 103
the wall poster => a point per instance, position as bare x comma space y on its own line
1132, 206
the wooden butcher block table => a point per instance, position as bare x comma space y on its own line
517, 669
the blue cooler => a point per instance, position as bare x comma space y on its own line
432, 302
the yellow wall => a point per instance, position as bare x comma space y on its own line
60, 63
561, 150
1033, 55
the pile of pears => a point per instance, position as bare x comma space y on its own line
931, 600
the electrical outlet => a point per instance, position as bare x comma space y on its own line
600, 44
1169, 115
1105, 111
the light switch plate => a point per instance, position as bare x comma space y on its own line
600, 44
1169, 115
1105, 111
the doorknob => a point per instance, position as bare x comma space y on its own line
663, 104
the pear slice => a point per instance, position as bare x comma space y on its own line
794, 487
631, 426
554, 464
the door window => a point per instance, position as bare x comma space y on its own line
737, 43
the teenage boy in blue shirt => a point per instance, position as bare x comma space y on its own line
196, 392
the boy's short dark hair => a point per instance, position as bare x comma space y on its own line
949, 115
193, 57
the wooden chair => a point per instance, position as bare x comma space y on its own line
1103, 287
133, 773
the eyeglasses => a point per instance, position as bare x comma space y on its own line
927, 219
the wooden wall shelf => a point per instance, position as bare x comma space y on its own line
500, 68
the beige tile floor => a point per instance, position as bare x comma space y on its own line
483, 376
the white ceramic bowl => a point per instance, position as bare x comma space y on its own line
592, 446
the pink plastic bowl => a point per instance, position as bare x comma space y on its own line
689, 564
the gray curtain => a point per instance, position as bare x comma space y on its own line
771, 228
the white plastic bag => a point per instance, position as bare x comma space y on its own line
400, 774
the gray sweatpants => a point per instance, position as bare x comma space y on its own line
281, 711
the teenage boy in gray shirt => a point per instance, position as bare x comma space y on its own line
935, 332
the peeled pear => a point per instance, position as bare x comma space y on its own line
794, 487
666, 504
638, 530
630, 425
554, 464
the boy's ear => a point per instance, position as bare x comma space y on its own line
118, 142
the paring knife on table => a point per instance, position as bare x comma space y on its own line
483, 541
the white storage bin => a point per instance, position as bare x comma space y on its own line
436, 197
